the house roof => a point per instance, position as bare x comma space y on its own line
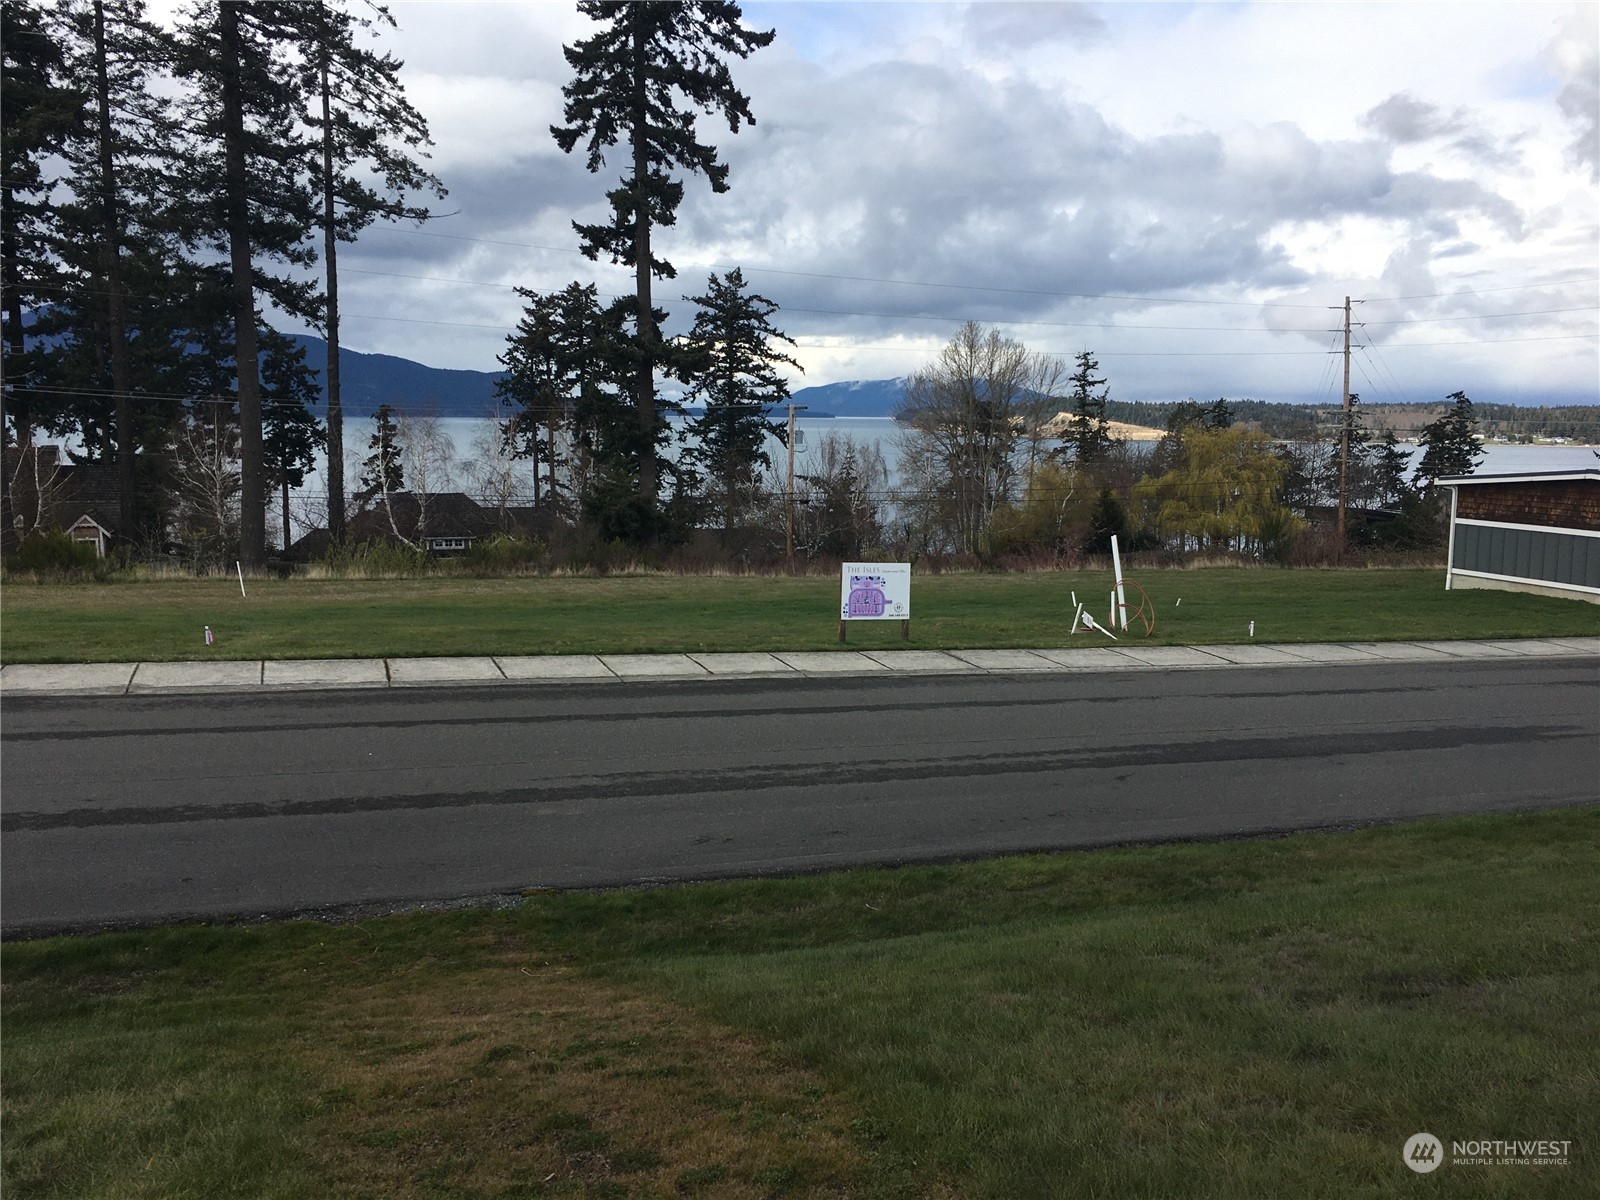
72, 490
1591, 474
449, 515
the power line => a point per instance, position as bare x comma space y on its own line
1563, 337
1512, 287
1371, 349
1534, 312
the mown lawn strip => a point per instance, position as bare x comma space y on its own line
164, 621
1243, 1019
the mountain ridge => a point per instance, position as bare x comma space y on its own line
416, 389
368, 380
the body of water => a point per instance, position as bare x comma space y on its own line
466, 433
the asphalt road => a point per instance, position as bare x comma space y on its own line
130, 810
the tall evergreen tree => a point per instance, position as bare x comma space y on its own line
1218, 414
641, 80
614, 448
1391, 470
1349, 481
369, 142
39, 115
291, 433
381, 471
1450, 444
119, 238
246, 174
535, 387
736, 378
1108, 519
1088, 432
561, 375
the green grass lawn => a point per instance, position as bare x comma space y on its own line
1247, 1019
164, 621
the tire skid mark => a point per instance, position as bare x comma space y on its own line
789, 711
657, 784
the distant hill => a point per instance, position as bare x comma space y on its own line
855, 398
373, 379
368, 380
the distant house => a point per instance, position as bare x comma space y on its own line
439, 522
44, 490
1532, 532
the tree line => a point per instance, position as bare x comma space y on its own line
1296, 422
1004, 451
167, 191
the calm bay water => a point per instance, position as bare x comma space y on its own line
464, 433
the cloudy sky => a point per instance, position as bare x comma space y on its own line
1188, 190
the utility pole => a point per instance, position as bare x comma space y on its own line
788, 533
1344, 429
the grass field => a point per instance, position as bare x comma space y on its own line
164, 621
1247, 1019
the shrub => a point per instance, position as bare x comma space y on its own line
375, 560
53, 553
504, 555
608, 557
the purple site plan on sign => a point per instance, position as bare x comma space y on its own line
866, 595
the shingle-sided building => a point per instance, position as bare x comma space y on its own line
1529, 532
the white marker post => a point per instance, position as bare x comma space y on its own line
1122, 599
240, 568
1089, 623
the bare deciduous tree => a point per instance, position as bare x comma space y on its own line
36, 482
841, 498
206, 472
428, 458
496, 478
968, 423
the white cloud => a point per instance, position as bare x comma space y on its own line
1024, 155
1575, 54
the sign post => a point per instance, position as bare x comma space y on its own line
875, 592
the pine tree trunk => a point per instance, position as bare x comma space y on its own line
551, 444
252, 489
116, 304
641, 248
336, 516
24, 495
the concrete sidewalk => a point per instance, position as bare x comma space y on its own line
115, 679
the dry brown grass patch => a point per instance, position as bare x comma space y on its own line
523, 1078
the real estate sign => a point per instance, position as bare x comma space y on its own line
874, 592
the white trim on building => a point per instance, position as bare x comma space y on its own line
1567, 529
86, 529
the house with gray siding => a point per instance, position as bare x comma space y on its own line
1537, 531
